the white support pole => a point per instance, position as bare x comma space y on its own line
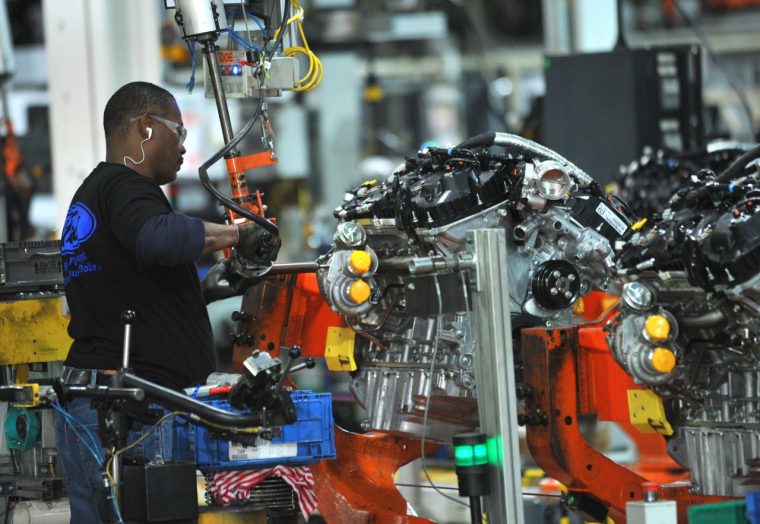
93, 48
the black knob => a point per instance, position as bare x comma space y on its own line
238, 316
294, 352
310, 363
128, 316
524, 392
521, 419
242, 340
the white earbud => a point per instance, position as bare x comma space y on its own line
148, 130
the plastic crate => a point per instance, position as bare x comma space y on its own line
34, 266
732, 512
310, 440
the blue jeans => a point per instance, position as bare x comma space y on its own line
81, 473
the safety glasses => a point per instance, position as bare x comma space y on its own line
179, 129
174, 126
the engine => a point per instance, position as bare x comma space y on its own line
689, 323
647, 183
393, 269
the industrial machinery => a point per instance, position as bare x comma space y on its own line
688, 323
647, 183
393, 272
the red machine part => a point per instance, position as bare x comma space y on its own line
285, 311
572, 373
236, 168
358, 486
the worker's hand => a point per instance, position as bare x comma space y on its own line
223, 282
257, 245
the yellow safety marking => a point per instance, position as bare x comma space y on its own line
647, 413
33, 331
339, 349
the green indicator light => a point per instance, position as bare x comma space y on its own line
495, 457
481, 454
464, 456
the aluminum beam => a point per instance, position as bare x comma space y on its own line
495, 373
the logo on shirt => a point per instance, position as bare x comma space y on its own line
79, 226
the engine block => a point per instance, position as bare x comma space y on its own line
393, 270
689, 324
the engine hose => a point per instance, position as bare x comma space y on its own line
221, 197
519, 143
738, 165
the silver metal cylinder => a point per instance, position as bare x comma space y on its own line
201, 19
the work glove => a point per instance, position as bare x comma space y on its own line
223, 282
257, 245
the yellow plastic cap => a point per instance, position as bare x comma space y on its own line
360, 262
657, 328
663, 360
359, 291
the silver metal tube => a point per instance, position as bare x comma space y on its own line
710, 319
127, 341
495, 372
216, 82
294, 267
116, 474
424, 265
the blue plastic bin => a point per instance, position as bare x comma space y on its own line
310, 440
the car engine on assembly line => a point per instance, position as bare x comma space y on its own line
689, 326
390, 271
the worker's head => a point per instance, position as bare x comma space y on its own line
143, 125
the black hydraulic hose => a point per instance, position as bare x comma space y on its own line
481, 140
224, 199
181, 402
737, 166
283, 25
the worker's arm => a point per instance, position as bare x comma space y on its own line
170, 239
218, 236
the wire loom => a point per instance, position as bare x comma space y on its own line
313, 76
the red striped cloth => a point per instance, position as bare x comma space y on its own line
228, 487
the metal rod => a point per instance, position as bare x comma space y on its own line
495, 372
127, 318
180, 402
116, 475
476, 514
209, 51
294, 267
